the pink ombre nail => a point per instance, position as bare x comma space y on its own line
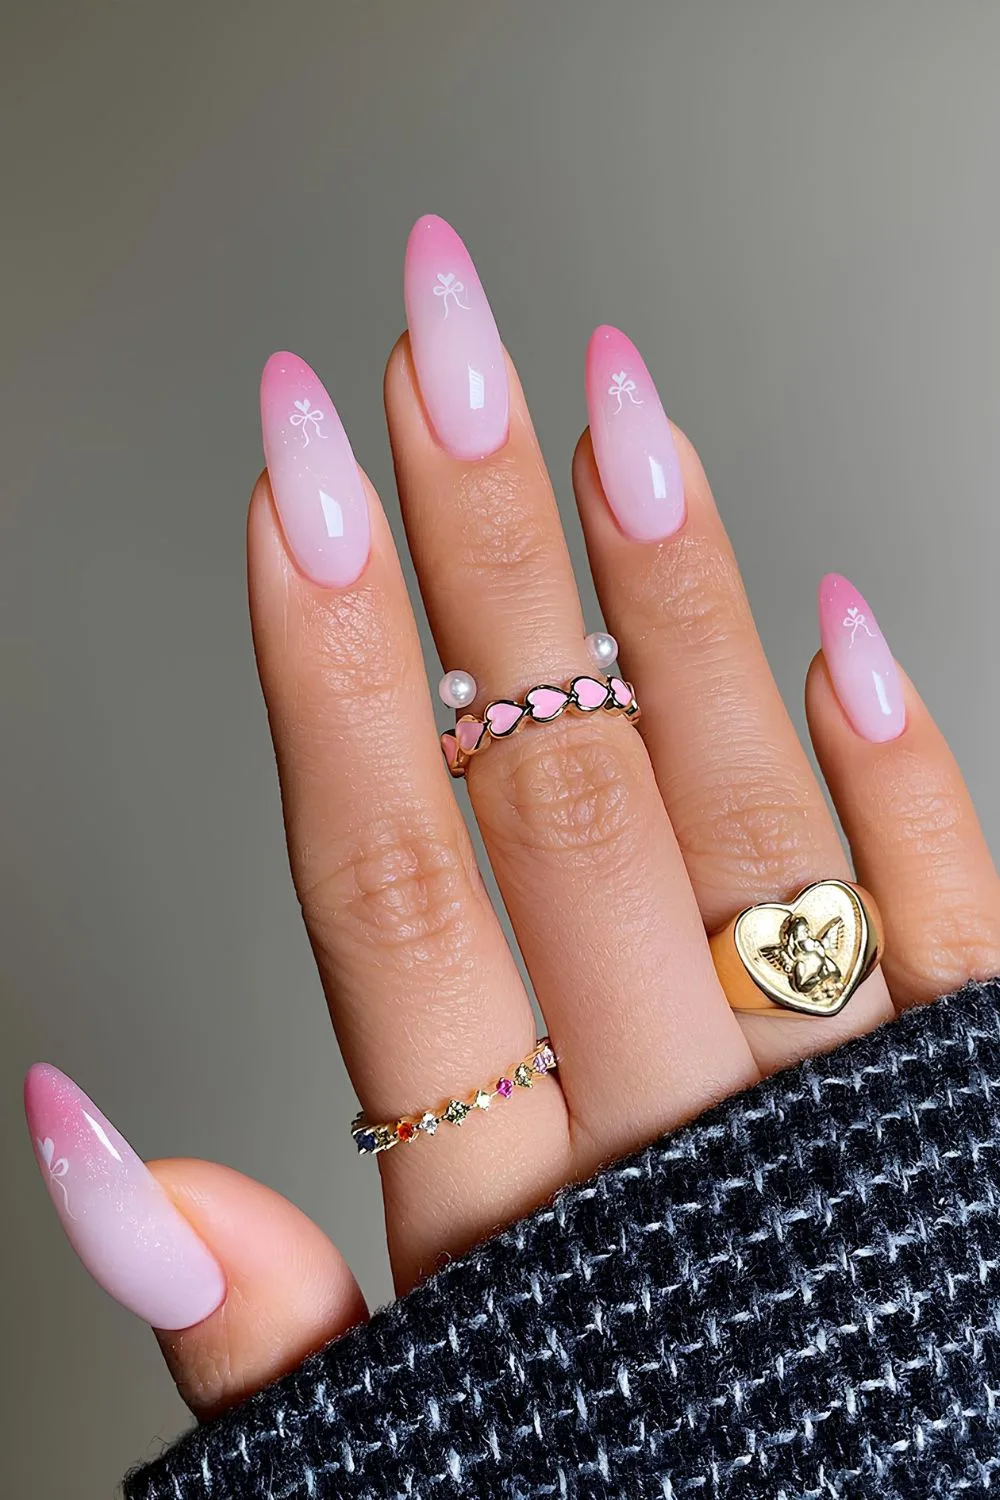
860, 663
456, 346
118, 1219
633, 443
316, 484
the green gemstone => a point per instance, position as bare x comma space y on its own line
523, 1076
456, 1111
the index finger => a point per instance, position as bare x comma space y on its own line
422, 989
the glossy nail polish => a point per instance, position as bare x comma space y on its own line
859, 661
456, 347
116, 1216
315, 481
633, 444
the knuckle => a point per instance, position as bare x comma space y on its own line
693, 591
569, 795
753, 832
945, 919
916, 811
958, 940
504, 533
926, 819
207, 1374
352, 649
399, 888
968, 945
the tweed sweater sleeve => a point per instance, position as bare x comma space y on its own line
797, 1295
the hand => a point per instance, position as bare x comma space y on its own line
615, 851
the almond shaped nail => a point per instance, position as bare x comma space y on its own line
633, 442
859, 661
317, 486
118, 1219
456, 348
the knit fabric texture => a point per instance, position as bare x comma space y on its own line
795, 1296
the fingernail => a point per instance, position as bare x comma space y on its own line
456, 347
116, 1216
860, 663
633, 443
314, 478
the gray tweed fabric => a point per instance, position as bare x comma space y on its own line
797, 1295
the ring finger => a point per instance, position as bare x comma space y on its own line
573, 824
749, 814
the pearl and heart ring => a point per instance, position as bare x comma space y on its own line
541, 704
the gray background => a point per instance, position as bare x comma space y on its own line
792, 206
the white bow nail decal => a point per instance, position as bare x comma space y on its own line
305, 414
854, 621
58, 1167
621, 386
450, 286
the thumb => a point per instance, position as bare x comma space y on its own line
289, 1290
238, 1283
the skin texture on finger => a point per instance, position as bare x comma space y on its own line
289, 1290
423, 991
575, 829
749, 814
916, 842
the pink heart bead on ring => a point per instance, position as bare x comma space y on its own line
546, 703
469, 735
505, 716
588, 693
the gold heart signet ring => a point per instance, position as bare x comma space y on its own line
805, 956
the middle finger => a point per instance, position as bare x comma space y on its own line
573, 823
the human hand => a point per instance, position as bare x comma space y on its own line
616, 851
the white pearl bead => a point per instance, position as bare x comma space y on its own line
603, 648
457, 689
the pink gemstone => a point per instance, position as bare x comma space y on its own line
589, 693
503, 717
546, 702
505, 1088
621, 692
468, 733
449, 748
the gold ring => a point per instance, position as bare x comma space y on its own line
373, 1138
541, 704
803, 957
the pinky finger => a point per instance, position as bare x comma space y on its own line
238, 1283
914, 835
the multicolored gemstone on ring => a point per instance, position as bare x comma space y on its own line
370, 1138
